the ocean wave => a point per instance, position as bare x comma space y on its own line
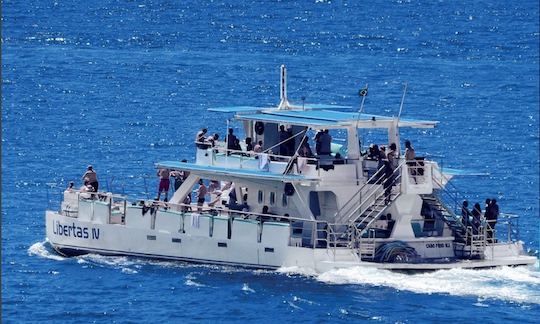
521, 284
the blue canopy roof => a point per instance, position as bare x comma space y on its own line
208, 170
301, 121
234, 109
331, 118
308, 107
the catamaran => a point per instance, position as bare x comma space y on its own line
281, 205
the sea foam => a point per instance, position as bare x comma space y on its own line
520, 284
44, 250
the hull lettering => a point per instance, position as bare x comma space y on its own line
72, 230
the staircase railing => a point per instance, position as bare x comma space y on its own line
454, 196
345, 210
337, 238
449, 194
373, 194
366, 246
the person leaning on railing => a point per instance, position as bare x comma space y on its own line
200, 139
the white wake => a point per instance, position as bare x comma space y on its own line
520, 284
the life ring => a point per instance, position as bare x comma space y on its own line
259, 128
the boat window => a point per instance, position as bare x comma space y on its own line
260, 197
314, 203
284, 200
272, 198
244, 191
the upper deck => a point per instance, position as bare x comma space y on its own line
267, 125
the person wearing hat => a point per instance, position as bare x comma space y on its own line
90, 178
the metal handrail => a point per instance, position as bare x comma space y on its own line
252, 154
455, 195
357, 233
246, 215
372, 192
357, 193
398, 178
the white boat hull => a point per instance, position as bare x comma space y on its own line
72, 236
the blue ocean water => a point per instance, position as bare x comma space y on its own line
124, 84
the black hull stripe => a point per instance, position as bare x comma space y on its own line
71, 250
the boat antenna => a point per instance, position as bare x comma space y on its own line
402, 100
362, 93
227, 143
284, 103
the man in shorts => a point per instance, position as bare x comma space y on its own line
164, 183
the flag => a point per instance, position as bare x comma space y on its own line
362, 92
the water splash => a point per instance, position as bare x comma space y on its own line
44, 250
193, 283
247, 289
289, 271
302, 300
521, 284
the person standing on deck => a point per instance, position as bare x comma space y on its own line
317, 140
231, 141
90, 179
201, 193
476, 218
200, 139
179, 177
487, 209
164, 182
212, 139
249, 144
390, 166
258, 147
465, 214
325, 143
409, 157
305, 150
492, 220
70, 187
393, 156
284, 141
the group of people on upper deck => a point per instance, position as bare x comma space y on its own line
285, 147
380, 154
204, 142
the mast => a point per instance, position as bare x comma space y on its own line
284, 103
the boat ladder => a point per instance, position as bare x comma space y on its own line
367, 247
